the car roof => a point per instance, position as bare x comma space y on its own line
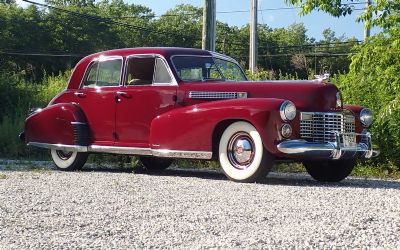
164, 51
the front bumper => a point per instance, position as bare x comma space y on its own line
330, 150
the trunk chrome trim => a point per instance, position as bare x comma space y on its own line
206, 155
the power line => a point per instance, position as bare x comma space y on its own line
109, 20
46, 54
240, 11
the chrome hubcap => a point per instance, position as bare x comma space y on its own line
241, 150
64, 155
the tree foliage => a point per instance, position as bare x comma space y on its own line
373, 76
80, 27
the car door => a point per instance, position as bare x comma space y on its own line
97, 98
149, 90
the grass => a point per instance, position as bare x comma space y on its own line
384, 171
3, 176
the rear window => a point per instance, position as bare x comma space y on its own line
103, 74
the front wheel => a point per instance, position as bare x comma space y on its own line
68, 160
329, 171
242, 155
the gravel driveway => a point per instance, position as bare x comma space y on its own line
189, 209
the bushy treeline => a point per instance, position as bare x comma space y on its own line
76, 28
18, 96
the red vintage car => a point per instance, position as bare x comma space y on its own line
165, 103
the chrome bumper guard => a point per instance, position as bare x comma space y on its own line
330, 150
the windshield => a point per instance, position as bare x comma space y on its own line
207, 68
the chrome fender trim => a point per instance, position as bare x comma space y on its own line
76, 148
206, 155
119, 150
182, 154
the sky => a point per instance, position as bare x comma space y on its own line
315, 22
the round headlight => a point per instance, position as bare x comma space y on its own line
338, 100
366, 117
287, 110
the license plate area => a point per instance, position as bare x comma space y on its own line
348, 141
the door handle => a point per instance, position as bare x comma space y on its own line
124, 94
80, 94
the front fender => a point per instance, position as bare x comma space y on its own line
191, 128
62, 123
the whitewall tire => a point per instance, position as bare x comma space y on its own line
68, 160
242, 155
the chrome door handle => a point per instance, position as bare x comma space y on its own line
80, 94
123, 94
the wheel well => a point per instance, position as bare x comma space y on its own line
217, 133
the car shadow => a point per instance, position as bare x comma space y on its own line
284, 179
273, 178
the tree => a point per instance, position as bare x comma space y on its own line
373, 76
382, 13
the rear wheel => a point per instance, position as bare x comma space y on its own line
155, 163
68, 160
329, 171
242, 155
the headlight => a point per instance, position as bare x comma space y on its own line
366, 117
338, 100
287, 111
286, 130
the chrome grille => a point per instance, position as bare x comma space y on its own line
216, 95
321, 127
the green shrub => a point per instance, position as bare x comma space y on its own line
373, 82
18, 96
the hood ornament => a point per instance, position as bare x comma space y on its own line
321, 78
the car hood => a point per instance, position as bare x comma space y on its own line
306, 95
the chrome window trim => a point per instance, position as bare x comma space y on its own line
102, 58
153, 55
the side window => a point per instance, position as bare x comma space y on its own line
104, 73
91, 75
161, 74
140, 71
109, 73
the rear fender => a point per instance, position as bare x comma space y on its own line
192, 128
62, 123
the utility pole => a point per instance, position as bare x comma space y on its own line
253, 36
367, 31
209, 23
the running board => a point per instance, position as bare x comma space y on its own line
127, 150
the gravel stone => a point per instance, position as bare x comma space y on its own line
188, 209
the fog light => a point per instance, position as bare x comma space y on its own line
286, 130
